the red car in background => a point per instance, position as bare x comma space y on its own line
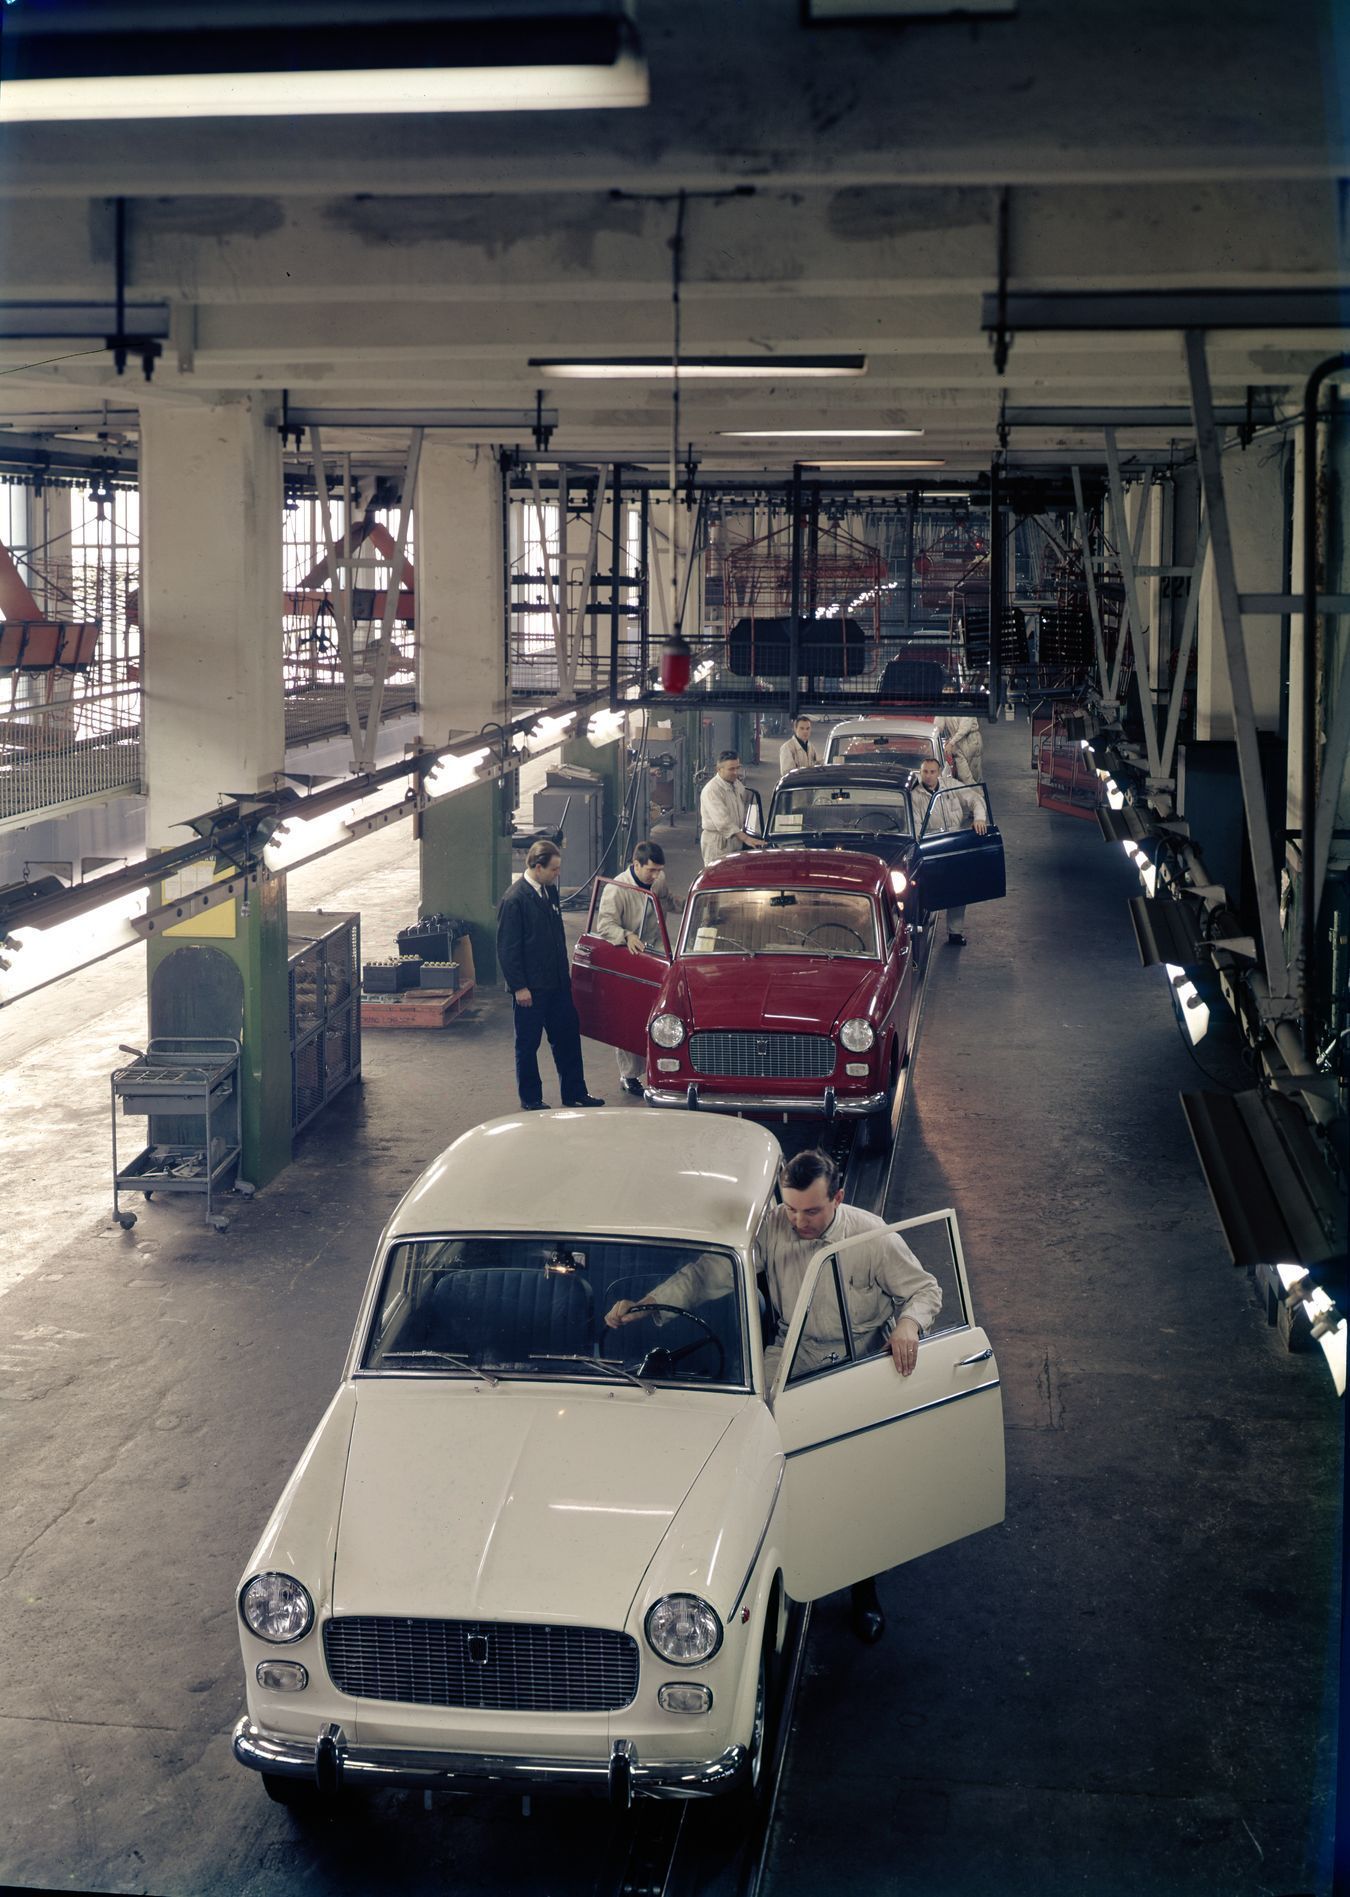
789, 990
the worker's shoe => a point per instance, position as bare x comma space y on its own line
631, 1084
586, 1100
864, 1615
954, 940
534, 1106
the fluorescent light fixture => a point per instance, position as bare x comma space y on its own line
605, 727
549, 731
888, 465
303, 839
1115, 796
944, 494
705, 670
120, 60
453, 773
698, 368
1192, 1011
816, 434
34, 957
326, 94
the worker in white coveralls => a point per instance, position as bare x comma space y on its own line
722, 811
624, 918
892, 1300
961, 810
959, 743
797, 751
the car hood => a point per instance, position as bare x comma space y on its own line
506, 1504
802, 994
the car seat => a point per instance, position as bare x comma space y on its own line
506, 1315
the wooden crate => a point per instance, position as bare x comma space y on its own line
414, 1008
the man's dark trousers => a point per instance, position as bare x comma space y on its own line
551, 1012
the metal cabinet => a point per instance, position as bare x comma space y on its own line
325, 963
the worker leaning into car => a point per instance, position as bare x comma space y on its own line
962, 810
892, 1300
723, 808
620, 919
959, 742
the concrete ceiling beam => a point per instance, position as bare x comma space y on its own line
1177, 89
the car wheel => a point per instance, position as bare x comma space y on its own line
744, 1808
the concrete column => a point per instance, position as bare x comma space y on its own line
211, 504
461, 585
1254, 484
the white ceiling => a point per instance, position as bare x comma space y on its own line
845, 186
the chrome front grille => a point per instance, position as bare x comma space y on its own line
739, 1056
503, 1666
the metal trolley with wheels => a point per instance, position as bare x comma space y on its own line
188, 1086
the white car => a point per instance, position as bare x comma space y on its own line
897, 738
524, 1549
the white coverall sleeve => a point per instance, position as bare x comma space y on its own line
913, 1291
608, 920
701, 1281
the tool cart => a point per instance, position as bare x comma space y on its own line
188, 1086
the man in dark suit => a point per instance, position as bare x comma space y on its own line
532, 955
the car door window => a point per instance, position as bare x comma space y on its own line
616, 905
826, 1341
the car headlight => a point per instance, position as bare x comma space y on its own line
857, 1036
683, 1629
277, 1608
667, 1030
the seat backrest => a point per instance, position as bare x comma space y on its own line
505, 1315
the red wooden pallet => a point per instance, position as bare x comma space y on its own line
414, 1008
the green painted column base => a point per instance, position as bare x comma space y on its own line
224, 973
466, 865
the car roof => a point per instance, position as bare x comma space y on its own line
755, 869
886, 771
612, 1171
898, 724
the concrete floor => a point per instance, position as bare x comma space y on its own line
1127, 1688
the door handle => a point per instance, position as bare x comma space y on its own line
981, 1356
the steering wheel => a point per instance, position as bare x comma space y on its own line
872, 821
843, 927
660, 1362
735, 942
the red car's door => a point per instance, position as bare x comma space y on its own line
613, 984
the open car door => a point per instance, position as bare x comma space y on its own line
883, 1468
958, 866
614, 986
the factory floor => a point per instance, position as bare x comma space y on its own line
1128, 1688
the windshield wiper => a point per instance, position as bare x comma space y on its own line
440, 1356
592, 1363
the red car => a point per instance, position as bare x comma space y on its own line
789, 991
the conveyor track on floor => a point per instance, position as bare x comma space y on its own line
682, 1850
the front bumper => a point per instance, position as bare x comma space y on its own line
329, 1762
821, 1106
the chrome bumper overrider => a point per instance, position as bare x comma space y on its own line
810, 1106
330, 1763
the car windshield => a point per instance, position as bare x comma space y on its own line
511, 1308
902, 746
813, 809
781, 921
